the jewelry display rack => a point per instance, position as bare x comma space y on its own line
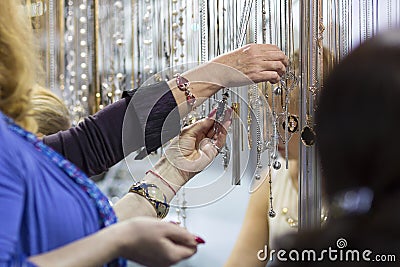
93, 50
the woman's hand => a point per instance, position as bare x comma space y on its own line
144, 240
154, 243
189, 153
197, 145
257, 62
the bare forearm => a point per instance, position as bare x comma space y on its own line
254, 234
243, 66
132, 205
94, 250
203, 84
205, 81
186, 156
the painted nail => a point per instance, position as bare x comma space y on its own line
200, 240
212, 113
174, 222
228, 114
227, 123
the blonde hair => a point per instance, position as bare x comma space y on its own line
49, 111
17, 64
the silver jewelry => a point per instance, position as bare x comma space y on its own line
204, 32
389, 14
52, 47
181, 207
345, 29
213, 142
75, 98
271, 212
222, 107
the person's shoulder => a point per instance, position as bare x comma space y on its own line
10, 159
7, 138
14, 149
5, 133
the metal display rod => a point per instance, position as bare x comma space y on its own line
311, 50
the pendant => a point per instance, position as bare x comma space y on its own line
271, 213
308, 136
293, 124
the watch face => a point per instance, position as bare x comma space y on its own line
154, 192
154, 195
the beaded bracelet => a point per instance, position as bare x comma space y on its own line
162, 179
153, 194
183, 85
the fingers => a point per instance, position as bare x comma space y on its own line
200, 128
276, 66
177, 253
264, 69
265, 63
180, 236
212, 146
271, 76
274, 56
205, 127
183, 244
221, 137
210, 150
251, 48
222, 127
266, 52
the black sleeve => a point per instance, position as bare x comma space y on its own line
145, 118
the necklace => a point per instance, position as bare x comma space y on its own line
389, 13
204, 33
345, 28
294, 222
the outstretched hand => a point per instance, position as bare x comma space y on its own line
258, 63
197, 145
154, 243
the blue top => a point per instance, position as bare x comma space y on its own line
41, 207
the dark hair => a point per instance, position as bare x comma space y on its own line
358, 119
358, 129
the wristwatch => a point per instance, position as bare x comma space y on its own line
154, 195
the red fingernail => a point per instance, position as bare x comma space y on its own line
200, 240
174, 222
212, 113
